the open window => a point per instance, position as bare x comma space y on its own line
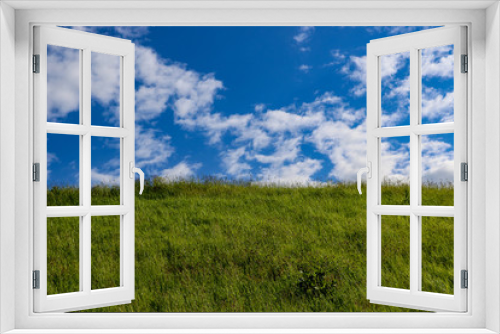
68, 63
409, 126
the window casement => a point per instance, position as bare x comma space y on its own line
416, 129
85, 45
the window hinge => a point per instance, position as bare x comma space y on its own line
36, 172
36, 279
465, 279
464, 170
465, 64
36, 63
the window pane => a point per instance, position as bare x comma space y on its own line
437, 84
395, 89
395, 252
63, 84
63, 170
63, 255
105, 171
395, 170
105, 89
105, 252
437, 169
437, 254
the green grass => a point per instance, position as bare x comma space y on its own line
233, 247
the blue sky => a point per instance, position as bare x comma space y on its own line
271, 104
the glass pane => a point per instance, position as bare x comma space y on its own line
63, 255
63, 170
63, 84
105, 171
395, 89
395, 252
437, 254
437, 169
105, 89
437, 84
105, 252
395, 170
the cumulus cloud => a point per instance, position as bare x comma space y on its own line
152, 148
259, 107
305, 68
63, 82
438, 62
355, 71
437, 160
232, 162
181, 171
437, 107
283, 121
303, 35
286, 150
100, 177
132, 32
344, 145
188, 92
296, 174
395, 161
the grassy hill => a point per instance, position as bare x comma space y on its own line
232, 247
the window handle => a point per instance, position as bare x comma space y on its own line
139, 171
368, 171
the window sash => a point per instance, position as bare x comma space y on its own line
414, 297
86, 297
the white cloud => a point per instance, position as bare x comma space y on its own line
103, 178
287, 150
132, 32
305, 68
437, 107
51, 158
304, 49
190, 94
395, 162
338, 58
437, 161
392, 63
234, 167
282, 121
344, 145
259, 107
106, 83
303, 34
152, 148
438, 62
259, 137
297, 174
181, 171
334, 108
355, 70
63, 82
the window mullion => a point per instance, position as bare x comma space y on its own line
85, 162
414, 175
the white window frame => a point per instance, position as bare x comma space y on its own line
483, 123
86, 43
413, 43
